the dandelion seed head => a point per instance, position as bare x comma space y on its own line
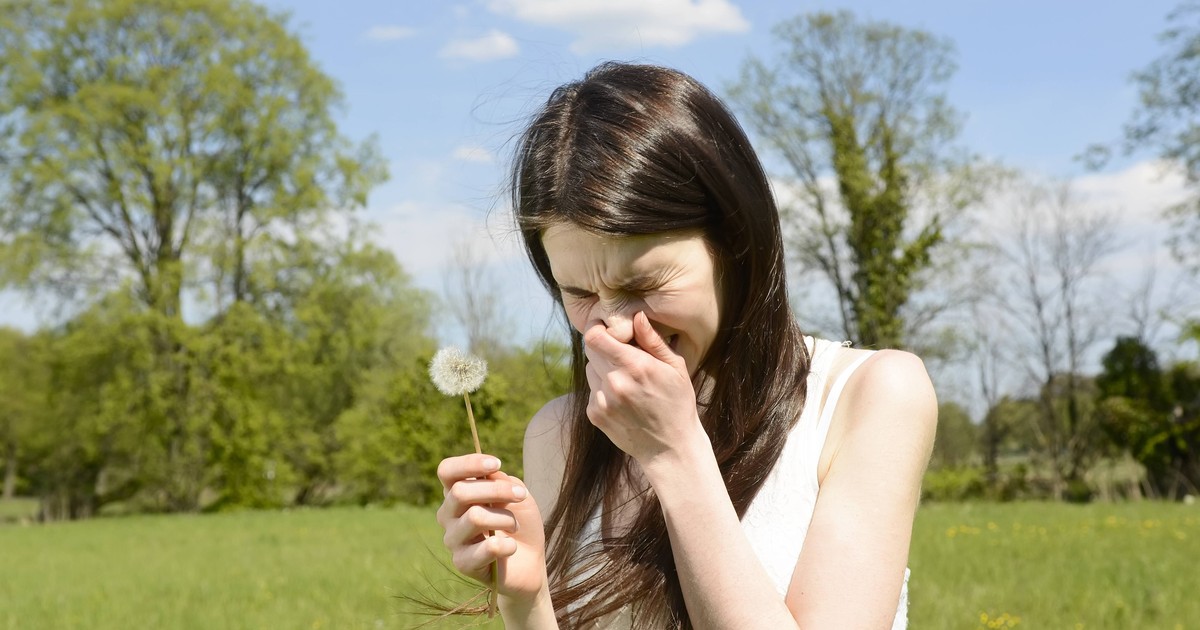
455, 372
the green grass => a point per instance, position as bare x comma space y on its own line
15, 510
1025, 565
310, 569
1044, 565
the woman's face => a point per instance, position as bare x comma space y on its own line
671, 277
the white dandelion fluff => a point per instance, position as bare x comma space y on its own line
455, 373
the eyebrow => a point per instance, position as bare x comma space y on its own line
642, 282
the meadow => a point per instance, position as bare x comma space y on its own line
974, 565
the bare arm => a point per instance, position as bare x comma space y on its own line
544, 460
851, 569
479, 498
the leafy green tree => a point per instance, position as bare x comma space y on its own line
957, 442
863, 104
157, 141
152, 147
243, 359
23, 389
356, 323
109, 432
393, 440
1167, 119
1154, 414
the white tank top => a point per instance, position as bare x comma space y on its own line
776, 522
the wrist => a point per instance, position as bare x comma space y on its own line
690, 459
528, 612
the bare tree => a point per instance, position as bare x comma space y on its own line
1058, 308
473, 298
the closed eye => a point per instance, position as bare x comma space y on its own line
579, 294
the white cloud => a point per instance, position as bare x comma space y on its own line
390, 32
622, 24
473, 154
422, 234
1142, 191
494, 45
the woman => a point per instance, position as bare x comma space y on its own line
713, 468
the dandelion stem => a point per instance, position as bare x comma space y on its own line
493, 570
471, 419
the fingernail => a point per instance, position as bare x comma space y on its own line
519, 492
491, 464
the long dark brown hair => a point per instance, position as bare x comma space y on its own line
640, 149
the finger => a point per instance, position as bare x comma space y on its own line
474, 466
593, 376
478, 522
604, 346
650, 340
464, 494
475, 559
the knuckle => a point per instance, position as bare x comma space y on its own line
476, 515
457, 493
461, 560
443, 471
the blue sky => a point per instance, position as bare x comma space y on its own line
444, 85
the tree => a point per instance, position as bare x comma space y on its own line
1048, 282
1154, 414
23, 391
1167, 119
864, 104
356, 324
135, 131
473, 299
149, 146
957, 440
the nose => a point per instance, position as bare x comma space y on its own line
618, 319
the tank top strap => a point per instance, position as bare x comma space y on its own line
835, 392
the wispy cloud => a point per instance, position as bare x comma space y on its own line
473, 154
494, 45
600, 25
389, 32
420, 232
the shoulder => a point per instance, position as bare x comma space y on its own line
854, 555
888, 410
549, 419
545, 452
895, 384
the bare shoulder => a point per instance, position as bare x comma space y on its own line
850, 571
545, 452
888, 405
895, 382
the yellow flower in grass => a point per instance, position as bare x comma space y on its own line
1003, 621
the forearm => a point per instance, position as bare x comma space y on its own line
528, 615
723, 583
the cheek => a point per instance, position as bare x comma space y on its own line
577, 314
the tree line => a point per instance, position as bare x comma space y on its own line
183, 152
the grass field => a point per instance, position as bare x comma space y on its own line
974, 566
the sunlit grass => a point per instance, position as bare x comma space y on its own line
1044, 565
340, 568
18, 509
974, 566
